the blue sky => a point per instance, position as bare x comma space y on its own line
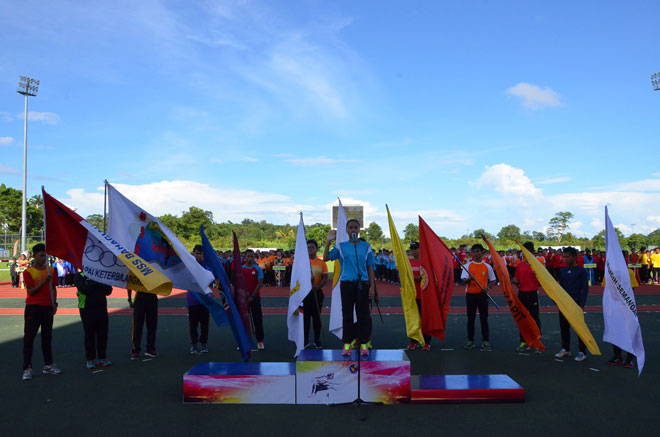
472, 114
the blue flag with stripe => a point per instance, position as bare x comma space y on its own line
213, 264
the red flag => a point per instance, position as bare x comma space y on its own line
438, 277
238, 281
526, 324
65, 237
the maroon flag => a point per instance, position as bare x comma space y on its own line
437, 280
238, 281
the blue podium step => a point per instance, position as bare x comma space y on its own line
465, 388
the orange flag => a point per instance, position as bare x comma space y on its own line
526, 324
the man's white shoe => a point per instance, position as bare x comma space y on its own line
27, 374
563, 354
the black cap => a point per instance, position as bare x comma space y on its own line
414, 245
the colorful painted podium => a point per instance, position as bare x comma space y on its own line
327, 377
240, 383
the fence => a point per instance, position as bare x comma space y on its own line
7, 242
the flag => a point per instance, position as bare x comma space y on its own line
240, 289
408, 291
98, 255
301, 284
211, 262
571, 310
437, 269
336, 321
134, 228
526, 324
619, 308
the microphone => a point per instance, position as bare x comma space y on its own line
354, 236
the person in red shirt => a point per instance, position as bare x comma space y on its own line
528, 292
417, 275
40, 307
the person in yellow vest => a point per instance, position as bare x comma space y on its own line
644, 270
482, 278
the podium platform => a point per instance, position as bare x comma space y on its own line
240, 383
465, 388
327, 377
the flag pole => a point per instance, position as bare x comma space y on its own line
483, 290
105, 203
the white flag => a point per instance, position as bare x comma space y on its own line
143, 233
301, 284
619, 308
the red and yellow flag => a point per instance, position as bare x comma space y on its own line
526, 324
437, 280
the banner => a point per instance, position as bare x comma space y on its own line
301, 284
212, 262
135, 228
408, 291
437, 281
100, 257
571, 310
619, 308
526, 324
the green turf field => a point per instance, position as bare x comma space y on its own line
132, 398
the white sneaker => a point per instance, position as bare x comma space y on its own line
563, 354
580, 357
27, 374
51, 370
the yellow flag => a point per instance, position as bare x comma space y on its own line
571, 310
408, 293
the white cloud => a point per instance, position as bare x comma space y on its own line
557, 180
177, 196
5, 141
535, 97
4, 169
643, 185
6, 116
46, 117
507, 180
319, 160
654, 219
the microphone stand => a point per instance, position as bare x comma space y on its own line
358, 401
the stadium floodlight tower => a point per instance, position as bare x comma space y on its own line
27, 87
655, 81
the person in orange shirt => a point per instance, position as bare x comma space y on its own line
481, 277
40, 308
313, 302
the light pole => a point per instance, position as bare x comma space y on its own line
27, 87
655, 81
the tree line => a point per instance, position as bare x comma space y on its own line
253, 233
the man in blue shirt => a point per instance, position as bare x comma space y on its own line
357, 284
575, 280
198, 315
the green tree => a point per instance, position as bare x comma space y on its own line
95, 220
509, 233
653, 239
192, 219
479, 232
374, 234
598, 240
538, 236
559, 224
11, 207
318, 232
636, 241
411, 232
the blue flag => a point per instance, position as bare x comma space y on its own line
212, 263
